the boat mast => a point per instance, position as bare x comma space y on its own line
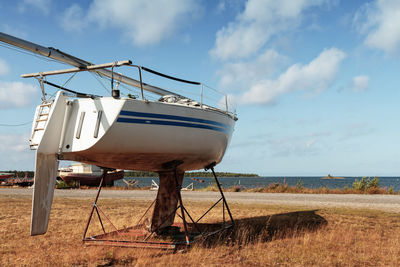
77, 62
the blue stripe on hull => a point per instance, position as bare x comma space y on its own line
172, 123
176, 118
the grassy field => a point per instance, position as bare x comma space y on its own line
264, 235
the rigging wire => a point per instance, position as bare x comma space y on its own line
15, 125
69, 79
20, 50
129, 88
99, 78
65, 83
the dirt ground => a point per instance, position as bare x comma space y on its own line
264, 234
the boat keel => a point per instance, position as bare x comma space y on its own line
166, 200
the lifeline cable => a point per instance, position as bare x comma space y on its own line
71, 91
169, 77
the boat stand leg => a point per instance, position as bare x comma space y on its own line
211, 166
105, 170
178, 191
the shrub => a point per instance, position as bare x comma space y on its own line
360, 185
236, 188
211, 187
374, 190
61, 184
283, 187
299, 184
324, 190
273, 186
391, 190
374, 182
366, 184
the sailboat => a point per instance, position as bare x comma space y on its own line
90, 175
171, 135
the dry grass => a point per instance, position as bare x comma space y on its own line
285, 188
328, 237
320, 190
271, 188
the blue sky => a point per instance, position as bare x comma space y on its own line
314, 82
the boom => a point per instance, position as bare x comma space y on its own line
77, 62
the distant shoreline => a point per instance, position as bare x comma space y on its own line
329, 177
191, 174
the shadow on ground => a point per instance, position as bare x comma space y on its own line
244, 231
265, 228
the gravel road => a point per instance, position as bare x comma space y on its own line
389, 203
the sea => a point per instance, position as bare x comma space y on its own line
252, 182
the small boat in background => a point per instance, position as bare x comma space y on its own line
86, 174
20, 181
5, 175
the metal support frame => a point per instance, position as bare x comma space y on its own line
178, 190
211, 166
192, 229
95, 207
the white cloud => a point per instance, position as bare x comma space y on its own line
317, 76
17, 94
143, 22
13, 30
260, 20
15, 153
221, 5
73, 19
243, 74
300, 145
225, 5
356, 130
42, 5
4, 68
360, 83
380, 22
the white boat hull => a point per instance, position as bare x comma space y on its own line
138, 135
